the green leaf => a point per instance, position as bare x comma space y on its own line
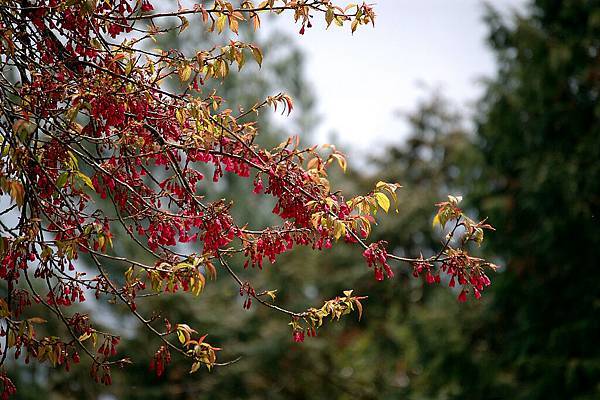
62, 179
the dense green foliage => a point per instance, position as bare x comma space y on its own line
537, 177
539, 131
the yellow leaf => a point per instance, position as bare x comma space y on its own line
184, 23
271, 294
185, 72
354, 25
359, 308
233, 25
85, 180
17, 193
200, 59
257, 55
179, 116
3, 309
329, 15
11, 338
51, 356
211, 270
129, 274
195, 367
221, 22
454, 199
41, 353
199, 284
255, 22
339, 229
181, 336
341, 161
383, 201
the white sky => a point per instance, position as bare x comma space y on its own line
363, 80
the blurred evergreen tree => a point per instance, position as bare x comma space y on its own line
539, 132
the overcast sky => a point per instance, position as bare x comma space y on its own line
362, 81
